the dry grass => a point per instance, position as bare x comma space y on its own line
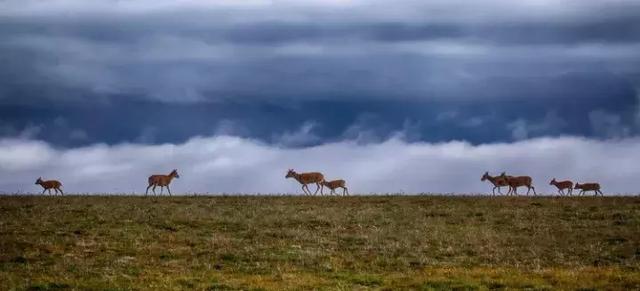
229, 243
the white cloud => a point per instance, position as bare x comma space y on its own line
236, 165
148, 135
519, 129
522, 129
303, 136
608, 125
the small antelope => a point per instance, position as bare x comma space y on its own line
519, 181
162, 181
497, 181
595, 187
333, 185
561, 185
307, 178
51, 184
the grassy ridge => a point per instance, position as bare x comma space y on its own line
228, 243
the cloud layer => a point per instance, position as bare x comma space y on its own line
199, 51
228, 164
408, 96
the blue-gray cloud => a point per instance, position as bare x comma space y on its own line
200, 52
150, 72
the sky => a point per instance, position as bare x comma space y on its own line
394, 97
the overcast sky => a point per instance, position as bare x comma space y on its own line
393, 96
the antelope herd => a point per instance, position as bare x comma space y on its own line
513, 182
318, 179
502, 180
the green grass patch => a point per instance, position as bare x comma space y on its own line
324, 243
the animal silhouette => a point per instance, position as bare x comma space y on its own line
333, 185
50, 184
307, 178
162, 181
561, 185
497, 181
519, 181
584, 187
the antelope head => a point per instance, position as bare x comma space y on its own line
290, 174
552, 181
39, 181
485, 176
175, 173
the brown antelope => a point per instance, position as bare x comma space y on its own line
519, 181
333, 185
51, 184
497, 181
162, 181
595, 187
562, 185
307, 178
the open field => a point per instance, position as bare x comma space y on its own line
395, 242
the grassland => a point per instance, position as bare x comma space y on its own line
390, 242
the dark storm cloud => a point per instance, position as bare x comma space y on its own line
615, 22
164, 73
200, 52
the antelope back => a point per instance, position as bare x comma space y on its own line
590, 186
565, 184
313, 177
335, 184
162, 180
519, 181
51, 184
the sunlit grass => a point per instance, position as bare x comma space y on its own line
229, 243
